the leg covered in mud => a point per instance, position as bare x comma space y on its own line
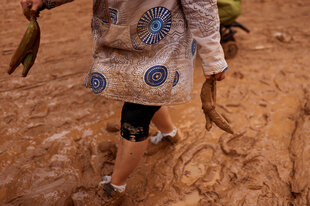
208, 99
128, 157
135, 123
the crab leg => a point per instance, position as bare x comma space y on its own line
208, 98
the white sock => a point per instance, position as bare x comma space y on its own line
107, 179
119, 188
159, 136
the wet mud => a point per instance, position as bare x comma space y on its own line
57, 139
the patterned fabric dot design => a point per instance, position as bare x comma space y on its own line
98, 82
113, 16
194, 47
154, 25
156, 75
176, 79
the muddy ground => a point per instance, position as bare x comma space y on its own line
54, 146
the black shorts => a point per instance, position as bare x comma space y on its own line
135, 121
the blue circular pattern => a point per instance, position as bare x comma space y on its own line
156, 75
98, 82
176, 79
154, 25
194, 47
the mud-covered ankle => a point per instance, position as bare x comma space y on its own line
107, 180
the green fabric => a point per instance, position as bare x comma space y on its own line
229, 10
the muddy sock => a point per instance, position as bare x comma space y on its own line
119, 188
107, 179
159, 136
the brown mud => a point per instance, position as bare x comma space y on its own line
54, 146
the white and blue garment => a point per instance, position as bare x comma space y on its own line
145, 49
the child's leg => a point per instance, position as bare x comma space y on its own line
167, 130
127, 159
135, 123
163, 121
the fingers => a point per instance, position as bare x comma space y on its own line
36, 5
26, 5
217, 77
31, 7
220, 76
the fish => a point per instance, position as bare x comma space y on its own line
208, 100
28, 48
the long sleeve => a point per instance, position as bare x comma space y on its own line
203, 22
49, 4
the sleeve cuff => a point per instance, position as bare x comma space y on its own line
216, 71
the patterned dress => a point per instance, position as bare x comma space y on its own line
144, 49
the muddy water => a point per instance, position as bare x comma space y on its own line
54, 146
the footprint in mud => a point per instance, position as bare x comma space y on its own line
257, 123
270, 199
213, 174
107, 147
211, 198
113, 126
84, 197
153, 149
106, 157
195, 166
199, 169
307, 107
281, 81
269, 93
236, 145
237, 75
236, 93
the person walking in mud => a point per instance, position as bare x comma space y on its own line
144, 56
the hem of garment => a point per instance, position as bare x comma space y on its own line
221, 68
137, 101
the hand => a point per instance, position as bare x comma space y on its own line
217, 77
31, 7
